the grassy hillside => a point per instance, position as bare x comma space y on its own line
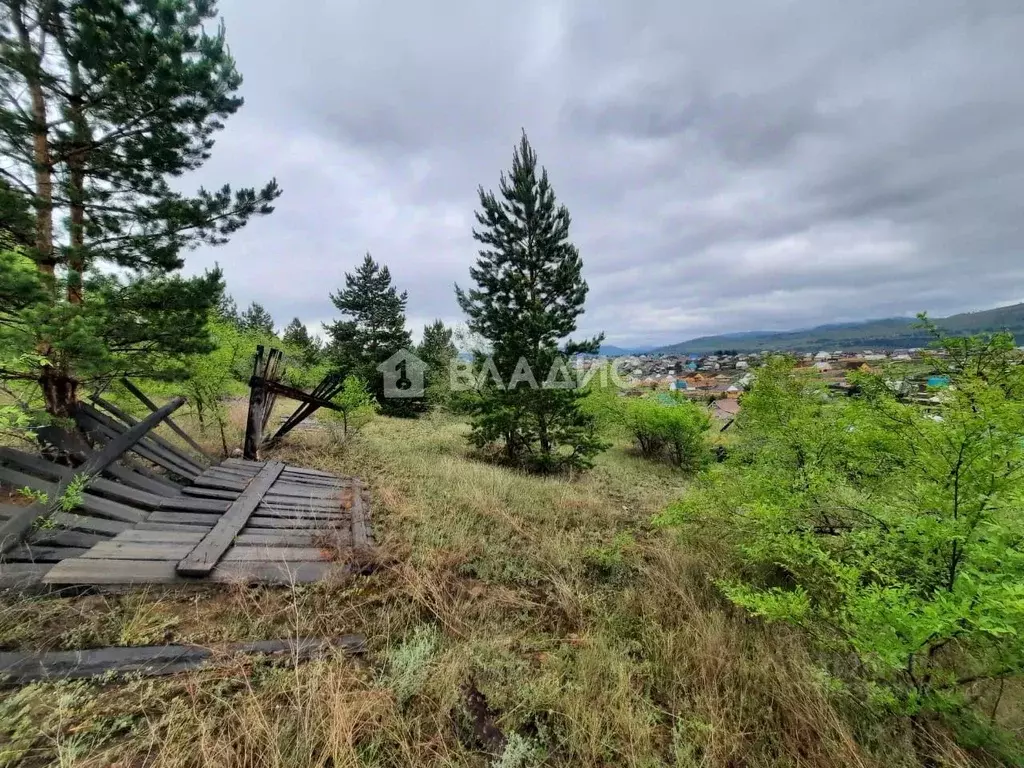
595, 639
891, 333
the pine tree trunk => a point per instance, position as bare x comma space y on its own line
59, 391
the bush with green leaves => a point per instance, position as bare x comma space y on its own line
891, 532
357, 403
674, 430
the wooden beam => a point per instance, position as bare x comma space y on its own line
174, 427
201, 560
21, 668
295, 394
257, 403
131, 421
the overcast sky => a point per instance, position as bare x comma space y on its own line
764, 164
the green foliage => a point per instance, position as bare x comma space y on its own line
103, 104
669, 430
529, 293
408, 664
373, 328
256, 319
437, 351
357, 403
887, 531
297, 335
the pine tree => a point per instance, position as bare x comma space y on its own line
438, 351
102, 102
297, 335
373, 328
257, 320
529, 293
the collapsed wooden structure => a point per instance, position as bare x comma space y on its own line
264, 388
137, 509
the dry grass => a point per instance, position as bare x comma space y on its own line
595, 639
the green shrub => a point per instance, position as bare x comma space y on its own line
673, 430
891, 533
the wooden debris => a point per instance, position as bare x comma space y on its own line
20, 668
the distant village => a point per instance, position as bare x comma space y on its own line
719, 379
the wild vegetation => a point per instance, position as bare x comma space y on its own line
567, 574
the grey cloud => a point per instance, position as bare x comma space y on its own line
728, 166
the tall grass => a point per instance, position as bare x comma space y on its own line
594, 639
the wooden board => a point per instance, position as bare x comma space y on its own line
361, 538
185, 518
276, 554
172, 527
204, 557
19, 576
56, 537
170, 423
210, 493
127, 550
28, 553
21, 667
218, 483
85, 571
187, 504
88, 523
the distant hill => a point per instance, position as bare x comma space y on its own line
890, 333
610, 350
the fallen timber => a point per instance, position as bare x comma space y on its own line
125, 507
21, 668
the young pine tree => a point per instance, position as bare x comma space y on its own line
438, 351
373, 327
102, 103
529, 293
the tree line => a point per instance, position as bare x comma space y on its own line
102, 106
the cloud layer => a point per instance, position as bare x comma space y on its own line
731, 166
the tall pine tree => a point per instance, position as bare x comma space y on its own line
257, 319
529, 293
438, 351
372, 328
102, 103
297, 335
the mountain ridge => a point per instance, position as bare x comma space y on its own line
883, 334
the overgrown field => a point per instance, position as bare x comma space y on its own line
593, 637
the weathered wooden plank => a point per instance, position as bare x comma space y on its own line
40, 467
85, 571
137, 536
276, 554
143, 482
210, 493
141, 396
18, 576
220, 484
20, 667
185, 518
89, 502
297, 470
229, 473
104, 429
56, 537
158, 526
361, 537
190, 504
131, 550
17, 524
89, 523
204, 557
300, 513
282, 538
32, 554
264, 521
118, 447
151, 435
